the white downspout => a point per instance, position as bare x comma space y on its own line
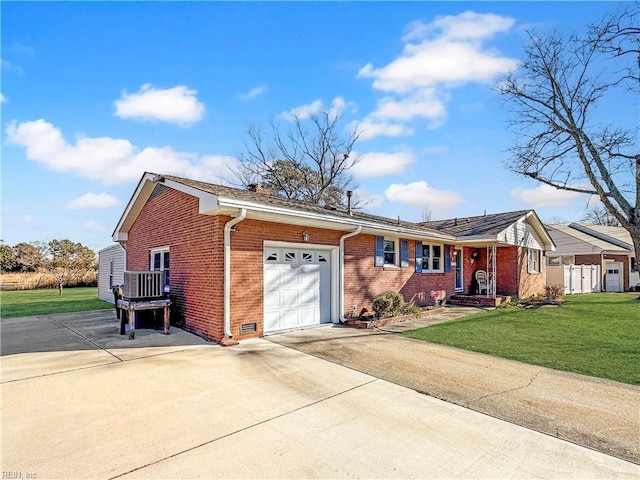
227, 270
342, 239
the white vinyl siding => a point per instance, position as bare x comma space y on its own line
111, 267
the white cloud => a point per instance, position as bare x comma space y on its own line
253, 93
3, 99
438, 62
424, 103
437, 57
109, 160
370, 128
11, 67
93, 226
378, 164
368, 201
29, 218
172, 105
544, 196
303, 112
420, 193
94, 200
467, 25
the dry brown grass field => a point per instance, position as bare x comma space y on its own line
38, 280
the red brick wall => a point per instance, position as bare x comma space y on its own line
512, 274
531, 283
196, 258
363, 281
247, 266
591, 259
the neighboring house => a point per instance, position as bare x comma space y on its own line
111, 267
611, 248
244, 263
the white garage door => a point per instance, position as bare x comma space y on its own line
613, 278
297, 288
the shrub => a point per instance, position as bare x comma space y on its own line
555, 292
387, 303
412, 310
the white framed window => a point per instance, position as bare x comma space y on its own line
159, 260
429, 258
391, 252
558, 260
554, 261
110, 273
533, 260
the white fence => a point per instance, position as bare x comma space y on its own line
576, 278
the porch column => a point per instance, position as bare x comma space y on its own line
491, 271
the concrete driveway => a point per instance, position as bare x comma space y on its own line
80, 402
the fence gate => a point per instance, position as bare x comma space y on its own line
575, 278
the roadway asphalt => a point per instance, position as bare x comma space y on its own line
78, 401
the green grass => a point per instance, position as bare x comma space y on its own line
20, 303
595, 334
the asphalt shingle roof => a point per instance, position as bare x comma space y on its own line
491, 224
277, 201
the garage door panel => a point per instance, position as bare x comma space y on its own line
296, 288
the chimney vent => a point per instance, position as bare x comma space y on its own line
253, 187
349, 194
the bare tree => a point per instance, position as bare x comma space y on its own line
598, 215
426, 213
554, 99
311, 166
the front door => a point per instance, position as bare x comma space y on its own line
457, 256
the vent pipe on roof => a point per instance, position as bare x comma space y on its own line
349, 194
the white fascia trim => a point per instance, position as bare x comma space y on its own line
477, 239
347, 223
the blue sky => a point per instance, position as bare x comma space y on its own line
94, 94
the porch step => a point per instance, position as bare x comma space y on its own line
478, 300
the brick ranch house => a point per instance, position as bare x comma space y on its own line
243, 263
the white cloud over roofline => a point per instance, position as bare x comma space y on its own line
544, 196
378, 164
419, 194
112, 160
178, 105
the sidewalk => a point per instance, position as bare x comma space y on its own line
595, 413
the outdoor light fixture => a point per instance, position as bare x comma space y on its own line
305, 236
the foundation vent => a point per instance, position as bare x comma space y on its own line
248, 328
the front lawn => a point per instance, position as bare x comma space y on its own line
21, 303
596, 334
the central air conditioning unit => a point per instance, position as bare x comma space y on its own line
143, 284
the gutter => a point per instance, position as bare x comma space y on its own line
342, 239
227, 272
